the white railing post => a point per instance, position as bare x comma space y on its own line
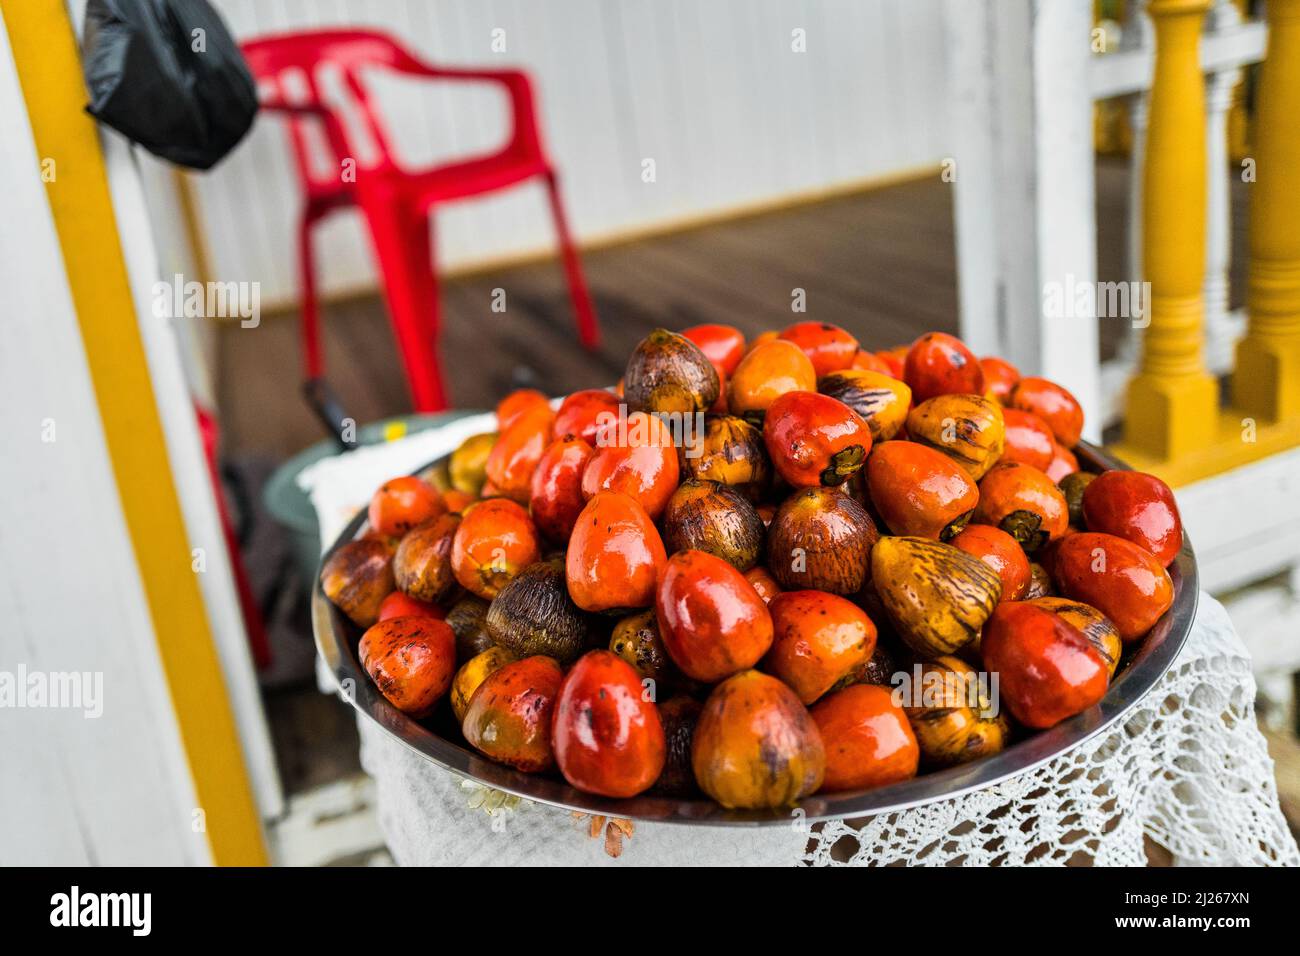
1221, 330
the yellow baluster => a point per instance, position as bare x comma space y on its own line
1172, 403
1266, 382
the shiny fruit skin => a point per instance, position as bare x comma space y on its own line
402, 503
615, 555
1000, 377
533, 614
818, 639
636, 639
468, 620
668, 373
870, 362
730, 451
640, 463
1053, 404
712, 621
722, 345
1062, 465
762, 581
755, 745
766, 373
583, 413
879, 398
967, 428
1028, 440
941, 364
555, 497
828, 347
473, 673
357, 578
496, 539
919, 491
1138, 507
1095, 626
1023, 502
815, 440
509, 716
517, 451
716, 518
895, 359
467, 466
411, 661
1123, 580
422, 564
936, 596
398, 604
867, 738
607, 737
821, 539
952, 731
518, 402
1000, 552
1047, 669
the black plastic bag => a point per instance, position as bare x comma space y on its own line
168, 75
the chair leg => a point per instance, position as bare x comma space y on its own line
588, 325
405, 253
313, 361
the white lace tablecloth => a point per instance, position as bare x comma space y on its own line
1187, 767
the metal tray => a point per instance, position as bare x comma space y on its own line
438, 738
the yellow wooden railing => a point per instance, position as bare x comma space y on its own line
1174, 425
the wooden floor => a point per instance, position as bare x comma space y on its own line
881, 264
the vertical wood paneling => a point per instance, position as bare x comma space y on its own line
711, 91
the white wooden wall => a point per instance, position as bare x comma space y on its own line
73, 791
710, 89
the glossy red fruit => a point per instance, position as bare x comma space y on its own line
722, 345
514, 457
636, 458
556, 497
517, 403
1123, 580
919, 491
815, 440
615, 555
828, 347
867, 738
607, 736
1138, 507
941, 364
819, 639
411, 660
1000, 552
1053, 404
871, 362
1063, 463
509, 716
1000, 377
1028, 440
582, 414
1047, 670
402, 503
712, 621
398, 604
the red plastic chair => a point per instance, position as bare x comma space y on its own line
396, 203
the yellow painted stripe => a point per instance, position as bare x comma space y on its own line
49, 70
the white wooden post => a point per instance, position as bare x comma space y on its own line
1221, 329
1022, 128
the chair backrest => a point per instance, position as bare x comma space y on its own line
290, 67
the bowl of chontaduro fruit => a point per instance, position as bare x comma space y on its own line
761, 578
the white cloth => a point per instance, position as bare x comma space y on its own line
1187, 767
